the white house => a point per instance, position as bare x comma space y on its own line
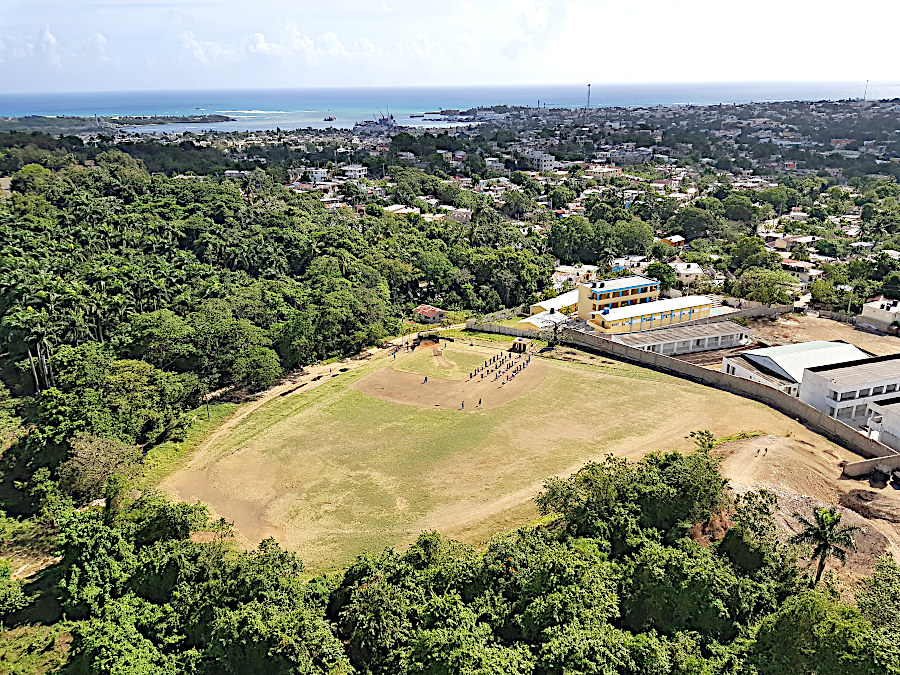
883, 311
355, 171
317, 175
802, 271
687, 273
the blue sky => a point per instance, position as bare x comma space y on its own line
103, 45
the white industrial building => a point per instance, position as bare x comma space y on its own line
845, 390
783, 367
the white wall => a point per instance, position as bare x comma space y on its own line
735, 368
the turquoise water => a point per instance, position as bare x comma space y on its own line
298, 108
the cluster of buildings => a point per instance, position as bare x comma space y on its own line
836, 378
629, 304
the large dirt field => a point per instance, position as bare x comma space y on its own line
799, 328
359, 460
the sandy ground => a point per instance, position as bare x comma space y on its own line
480, 393
799, 328
805, 473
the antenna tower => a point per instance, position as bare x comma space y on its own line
588, 98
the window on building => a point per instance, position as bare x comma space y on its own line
889, 388
863, 393
877, 391
848, 395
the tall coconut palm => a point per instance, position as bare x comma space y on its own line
826, 536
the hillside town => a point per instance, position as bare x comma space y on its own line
221, 351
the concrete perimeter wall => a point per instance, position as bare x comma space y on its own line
504, 314
782, 402
473, 324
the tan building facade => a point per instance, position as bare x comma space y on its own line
613, 293
649, 315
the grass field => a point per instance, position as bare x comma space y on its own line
331, 471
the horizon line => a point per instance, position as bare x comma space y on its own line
451, 86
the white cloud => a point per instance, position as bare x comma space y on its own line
44, 48
100, 44
207, 52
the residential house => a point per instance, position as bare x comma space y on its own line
355, 171
429, 314
687, 273
881, 312
804, 272
675, 240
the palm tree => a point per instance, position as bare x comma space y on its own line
826, 536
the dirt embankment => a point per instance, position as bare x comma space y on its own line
805, 475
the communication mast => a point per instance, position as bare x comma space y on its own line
588, 98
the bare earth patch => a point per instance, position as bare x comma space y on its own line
799, 328
805, 474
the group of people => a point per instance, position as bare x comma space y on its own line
503, 367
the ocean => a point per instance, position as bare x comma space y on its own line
300, 108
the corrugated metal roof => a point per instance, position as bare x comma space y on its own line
859, 372
562, 300
791, 360
677, 333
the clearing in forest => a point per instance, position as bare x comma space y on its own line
371, 457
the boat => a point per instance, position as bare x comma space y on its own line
383, 123
330, 119
420, 115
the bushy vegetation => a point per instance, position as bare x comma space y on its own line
624, 576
